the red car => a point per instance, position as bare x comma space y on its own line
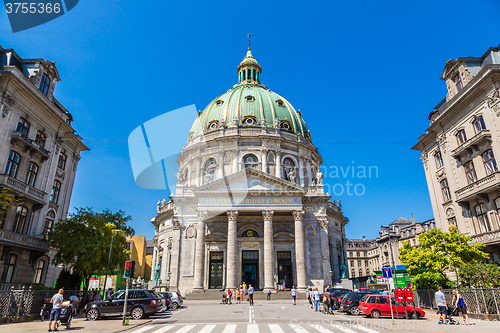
378, 306
364, 290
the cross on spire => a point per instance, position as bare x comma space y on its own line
249, 35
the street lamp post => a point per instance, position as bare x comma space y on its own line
109, 259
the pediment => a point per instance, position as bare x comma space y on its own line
250, 181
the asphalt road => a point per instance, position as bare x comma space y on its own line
264, 316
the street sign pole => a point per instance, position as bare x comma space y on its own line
390, 302
125, 304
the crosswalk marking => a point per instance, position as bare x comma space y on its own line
162, 329
254, 328
366, 329
298, 329
229, 329
275, 328
143, 329
207, 329
185, 329
323, 329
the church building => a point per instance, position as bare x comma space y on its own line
249, 205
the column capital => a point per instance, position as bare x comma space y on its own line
298, 214
268, 214
323, 222
232, 214
202, 215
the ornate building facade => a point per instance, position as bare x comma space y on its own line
39, 156
459, 150
249, 203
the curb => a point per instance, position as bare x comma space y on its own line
135, 326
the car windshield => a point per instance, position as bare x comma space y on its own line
345, 296
363, 299
118, 295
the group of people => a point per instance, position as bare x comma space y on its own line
326, 305
238, 294
457, 302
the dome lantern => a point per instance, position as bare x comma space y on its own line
249, 69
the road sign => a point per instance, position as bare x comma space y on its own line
387, 273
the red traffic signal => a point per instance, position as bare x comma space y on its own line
129, 269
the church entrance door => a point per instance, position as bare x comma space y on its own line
251, 268
285, 273
216, 267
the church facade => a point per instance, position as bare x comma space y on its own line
249, 204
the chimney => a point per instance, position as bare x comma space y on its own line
412, 219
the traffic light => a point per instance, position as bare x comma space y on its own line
129, 269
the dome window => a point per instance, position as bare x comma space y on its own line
286, 125
219, 102
250, 120
280, 103
213, 125
250, 98
250, 161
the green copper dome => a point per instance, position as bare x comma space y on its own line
249, 104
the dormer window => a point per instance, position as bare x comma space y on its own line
461, 138
479, 124
213, 125
219, 102
285, 124
250, 120
458, 82
44, 84
250, 98
280, 103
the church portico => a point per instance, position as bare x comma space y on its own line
249, 205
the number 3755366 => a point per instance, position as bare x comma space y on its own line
32, 8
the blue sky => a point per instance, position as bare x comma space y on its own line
364, 74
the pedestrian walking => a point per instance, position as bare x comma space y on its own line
229, 295
442, 305
268, 294
458, 302
309, 297
55, 313
244, 288
293, 292
250, 294
316, 300
326, 301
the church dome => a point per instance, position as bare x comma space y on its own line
249, 104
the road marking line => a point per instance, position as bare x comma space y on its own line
143, 329
298, 329
253, 328
185, 329
283, 307
229, 329
250, 315
343, 317
275, 328
325, 330
366, 329
163, 329
206, 329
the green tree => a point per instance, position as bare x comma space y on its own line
479, 275
83, 241
439, 252
429, 280
7, 200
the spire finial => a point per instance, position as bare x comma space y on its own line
249, 36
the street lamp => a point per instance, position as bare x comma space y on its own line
109, 259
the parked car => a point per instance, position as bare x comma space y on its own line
175, 298
141, 303
350, 302
167, 302
364, 290
337, 296
378, 306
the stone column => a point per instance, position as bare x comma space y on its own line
197, 162
325, 250
300, 250
264, 160
268, 249
221, 164
301, 172
232, 250
278, 163
199, 260
309, 173
175, 254
234, 154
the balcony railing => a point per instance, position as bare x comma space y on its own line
12, 238
19, 137
479, 138
489, 237
23, 188
480, 186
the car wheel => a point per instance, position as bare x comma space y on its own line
175, 305
414, 315
376, 314
355, 310
137, 313
93, 314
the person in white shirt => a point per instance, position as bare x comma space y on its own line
316, 300
293, 292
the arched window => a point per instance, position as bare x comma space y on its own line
289, 170
23, 126
470, 172
489, 162
9, 265
439, 159
250, 161
209, 171
40, 265
56, 190
20, 219
482, 218
479, 124
61, 163
12, 164
250, 233
31, 174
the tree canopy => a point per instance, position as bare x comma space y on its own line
479, 275
439, 252
83, 241
7, 200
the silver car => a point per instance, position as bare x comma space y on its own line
176, 299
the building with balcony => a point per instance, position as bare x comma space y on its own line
39, 154
459, 150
